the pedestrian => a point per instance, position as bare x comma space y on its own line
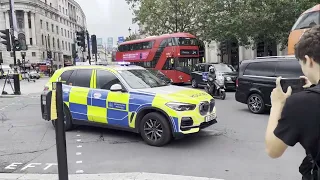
295, 118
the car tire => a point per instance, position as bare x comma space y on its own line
194, 83
151, 126
256, 104
67, 119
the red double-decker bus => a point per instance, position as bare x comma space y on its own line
173, 54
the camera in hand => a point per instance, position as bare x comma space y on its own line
295, 83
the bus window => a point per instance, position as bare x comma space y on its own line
164, 43
183, 41
307, 20
147, 45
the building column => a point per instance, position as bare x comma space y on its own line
7, 19
241, 53
26, 28
33, 28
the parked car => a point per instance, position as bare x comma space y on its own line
34, 75
201, 70
257, 78
160, 75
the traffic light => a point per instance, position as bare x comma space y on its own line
223, 47
94, 44
17, 45
6, 38
81, 39
49, 54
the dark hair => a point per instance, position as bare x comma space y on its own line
309, 44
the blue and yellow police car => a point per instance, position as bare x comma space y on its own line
129, 97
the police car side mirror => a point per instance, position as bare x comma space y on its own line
116, 87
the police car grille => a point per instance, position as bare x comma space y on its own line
204, 107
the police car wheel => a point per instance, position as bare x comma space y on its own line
67, 119
155, 129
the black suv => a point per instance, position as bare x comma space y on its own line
257, 78
202, 69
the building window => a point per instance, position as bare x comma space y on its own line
57, 29
68, 34
66, 46
52, 27
31, 42
29, 20
43, 55
49, 42
53, 43
61, 31
62, 45
59, 8
58, 43
65, 33
69, 46
47, 26
50, 4
45, 1
42, 39
33, 54
41, 23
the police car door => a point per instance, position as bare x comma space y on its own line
78, 99
111, 107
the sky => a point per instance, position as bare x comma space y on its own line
108, 18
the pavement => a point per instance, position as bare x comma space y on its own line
232, 149
26, 87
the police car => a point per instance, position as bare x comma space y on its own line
129, 97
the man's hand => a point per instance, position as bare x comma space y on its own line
307, 82
278, 97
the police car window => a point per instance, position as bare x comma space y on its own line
66, 75
106, 79
141, 79
81, 78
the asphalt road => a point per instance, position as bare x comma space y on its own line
231, 149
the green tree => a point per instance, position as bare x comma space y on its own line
167, 16
246, 21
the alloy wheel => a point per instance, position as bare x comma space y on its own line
153, 129
255, 104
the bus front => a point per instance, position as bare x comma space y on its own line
308, 19
182, 59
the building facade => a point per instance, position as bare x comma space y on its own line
44, 25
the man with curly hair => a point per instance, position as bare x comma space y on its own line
296, 118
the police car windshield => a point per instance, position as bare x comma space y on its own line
141, 79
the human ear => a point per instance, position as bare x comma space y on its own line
309, 61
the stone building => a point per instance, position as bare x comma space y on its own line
44, 25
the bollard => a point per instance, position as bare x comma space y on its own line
16, 84
57, 93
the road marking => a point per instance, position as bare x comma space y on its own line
78, 135
79, 146
18, 165
134, 175
78, 153
78, 140
78, 162
79, 171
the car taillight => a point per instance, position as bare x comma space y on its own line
46, 88
237, 82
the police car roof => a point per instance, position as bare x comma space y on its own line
114, 67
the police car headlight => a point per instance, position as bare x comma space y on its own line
181, 106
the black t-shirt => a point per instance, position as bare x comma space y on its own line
300, 122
